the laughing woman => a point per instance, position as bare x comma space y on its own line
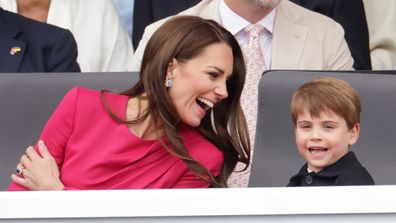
180, 126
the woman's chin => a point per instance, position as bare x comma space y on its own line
193, 123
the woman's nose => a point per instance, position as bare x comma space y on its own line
221, 91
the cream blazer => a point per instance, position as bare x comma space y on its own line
381, 20
103, 44
302, 39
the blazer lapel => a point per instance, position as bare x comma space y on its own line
288, 39
12, 50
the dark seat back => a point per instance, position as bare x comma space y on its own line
28, 99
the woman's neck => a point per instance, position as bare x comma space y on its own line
34, 9
146, 129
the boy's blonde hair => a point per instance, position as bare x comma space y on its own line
327, 93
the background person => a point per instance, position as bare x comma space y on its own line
30, 46
103, 44
351, 16
381, 19
125, 11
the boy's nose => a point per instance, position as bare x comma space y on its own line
316, 134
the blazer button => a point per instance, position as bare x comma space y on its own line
308, 179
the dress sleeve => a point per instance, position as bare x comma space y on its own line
57, 131
340, 55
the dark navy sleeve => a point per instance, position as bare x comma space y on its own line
63, 57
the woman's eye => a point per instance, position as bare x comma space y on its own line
213, 74
329, 127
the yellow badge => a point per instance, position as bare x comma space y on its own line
15, 50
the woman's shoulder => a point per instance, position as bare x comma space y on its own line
82, 93
86, 92
86, 96
94, 104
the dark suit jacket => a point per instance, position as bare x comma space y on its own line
38, 47
146, 12
345, 171
351, 16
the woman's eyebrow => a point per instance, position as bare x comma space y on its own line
218, 69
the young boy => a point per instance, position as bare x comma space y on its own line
326, 117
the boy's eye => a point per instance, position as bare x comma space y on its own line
329, 126
305, 126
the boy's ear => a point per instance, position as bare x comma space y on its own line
354, 134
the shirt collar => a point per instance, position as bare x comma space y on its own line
235, 23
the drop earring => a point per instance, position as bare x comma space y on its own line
212, 120
168, 83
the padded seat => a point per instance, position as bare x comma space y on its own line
28, 99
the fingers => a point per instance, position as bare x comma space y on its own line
25, 161
31, 153
25, 182
18, 180
44, 150
37, 169
19, 169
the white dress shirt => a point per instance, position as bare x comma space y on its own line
125, 11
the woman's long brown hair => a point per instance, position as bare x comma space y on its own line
183, 38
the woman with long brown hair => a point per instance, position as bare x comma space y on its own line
180, 126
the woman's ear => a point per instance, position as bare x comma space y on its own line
354, 134
170, 73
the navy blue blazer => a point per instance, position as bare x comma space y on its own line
27, 45
345, 171
351, 16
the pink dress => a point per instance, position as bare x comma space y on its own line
93, 151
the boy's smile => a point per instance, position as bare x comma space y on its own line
323, 140
317, 152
